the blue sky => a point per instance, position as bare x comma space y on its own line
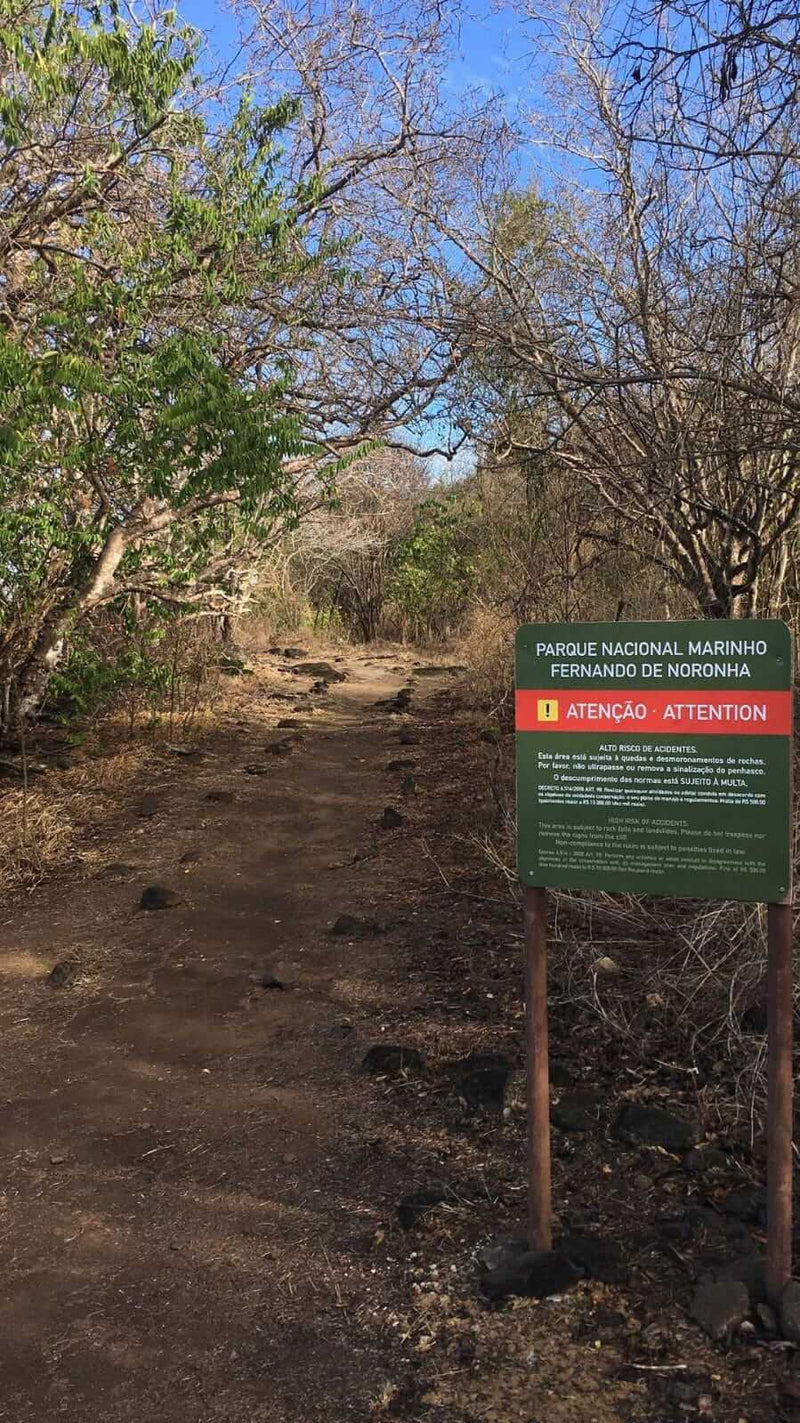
493, 54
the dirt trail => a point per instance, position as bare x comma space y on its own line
184, 1232
210, 1213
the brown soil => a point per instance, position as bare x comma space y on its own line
199, 1198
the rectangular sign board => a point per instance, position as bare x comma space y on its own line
655, 758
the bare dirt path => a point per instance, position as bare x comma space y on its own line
211, 1213
184, 1229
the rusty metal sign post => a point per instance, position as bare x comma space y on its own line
656, 758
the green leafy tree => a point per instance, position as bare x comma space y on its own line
435, 568
145, 445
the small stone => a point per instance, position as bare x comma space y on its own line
767, 1318
271, 983
751, 1271
789, 1311
704, 1158
686, 1388
392, 1059
575, 1112
294, 652
322, 671
719, 1307
115, 873
157, 897
600, 1259
500, 1253
149, 806
290, 721
640, 1125
356, 926
192, 857
284, 747
482, 1078
57, 1160
62, 975
749, 1207
220, 797
408, 738
755, 1018
416, 1205
562, 1074
391, 818
534, 1274
605, 966
256, 768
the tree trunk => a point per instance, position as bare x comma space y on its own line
29, 685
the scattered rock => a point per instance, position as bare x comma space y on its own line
750, 1271
403, 763
536, 1274
598, 1258
789, 1311
605, 966
719, 1307
62, 975
686, 1389
392, 1059
639, 1125
322, 671
157, 897
417, 1204
754, 1017
148, 806
355, 926
482, 1078
750, 1206
499, 1253
562, 1074
221, 797
391, 818
704, 1158
116, 873
575, 1112
271, 983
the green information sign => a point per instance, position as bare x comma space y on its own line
655, 758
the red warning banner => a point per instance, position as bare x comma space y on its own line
656, 711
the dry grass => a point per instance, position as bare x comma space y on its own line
689, 973
38, 833
488, 650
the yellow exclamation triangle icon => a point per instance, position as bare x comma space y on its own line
547, 709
